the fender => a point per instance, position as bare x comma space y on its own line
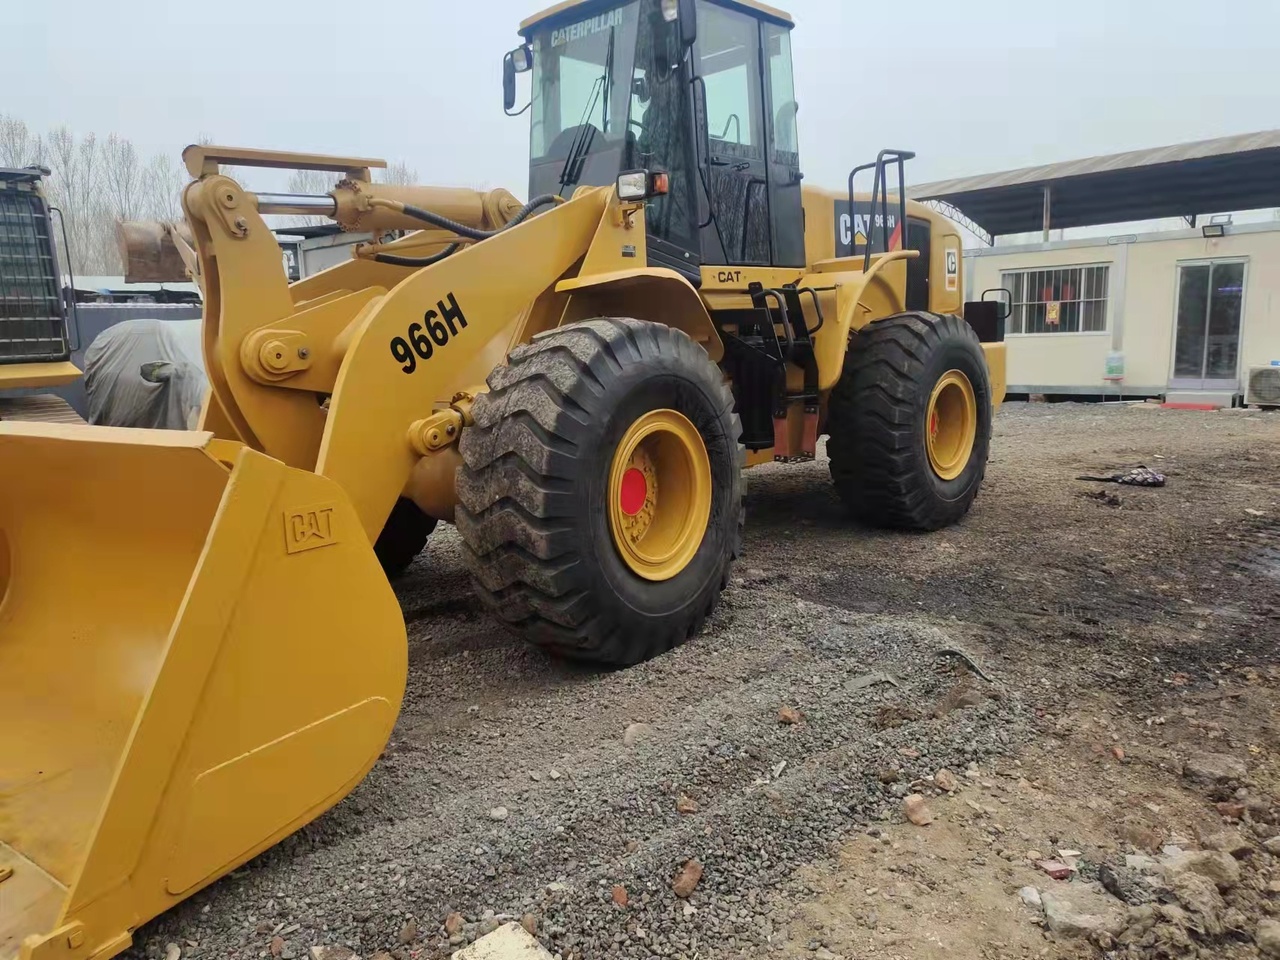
859, 298
645, 293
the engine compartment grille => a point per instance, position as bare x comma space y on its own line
32, 316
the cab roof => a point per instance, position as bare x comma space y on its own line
567, 9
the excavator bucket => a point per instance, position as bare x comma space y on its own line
151, 253
199, 653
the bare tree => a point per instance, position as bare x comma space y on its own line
76, 189
122, 177
19, 147
162, 184
93, 183
398, 173
97, 181
312, 182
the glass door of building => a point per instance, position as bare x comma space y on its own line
1206, 352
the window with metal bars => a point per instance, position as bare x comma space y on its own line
32, 317
1058, 299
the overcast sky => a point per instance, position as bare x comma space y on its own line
972, 87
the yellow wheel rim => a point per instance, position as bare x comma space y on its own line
951, 425
659, 494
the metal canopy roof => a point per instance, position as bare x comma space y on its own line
1208, 176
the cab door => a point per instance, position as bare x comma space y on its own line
735, 176
659, 137
785, 208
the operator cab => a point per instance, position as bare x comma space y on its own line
700, 90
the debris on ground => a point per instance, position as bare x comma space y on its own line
1139, 476
1268, 937
789, 716
1056, 869
1214, 768
917, 810
686, 881
1217, 866
509, 942
1082, 910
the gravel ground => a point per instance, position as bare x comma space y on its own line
512, 787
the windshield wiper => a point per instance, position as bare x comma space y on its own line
577, 156
608, 82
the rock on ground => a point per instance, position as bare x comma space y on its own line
686, 880
509, 942
1230, 841
1219, 867
917, 810
1268, 937
1201, 899
789, 716
1214, 768
1083, 910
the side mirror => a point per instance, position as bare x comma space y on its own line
688, 19
508, 82
519, 60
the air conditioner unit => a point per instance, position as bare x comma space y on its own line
1263, 388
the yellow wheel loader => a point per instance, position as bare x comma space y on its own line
576, 382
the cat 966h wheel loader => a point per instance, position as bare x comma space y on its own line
576, 383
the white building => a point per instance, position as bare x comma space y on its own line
1190, 314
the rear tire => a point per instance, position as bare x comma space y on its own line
403, 537
535, 489
879, 419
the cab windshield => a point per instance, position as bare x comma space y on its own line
581, 93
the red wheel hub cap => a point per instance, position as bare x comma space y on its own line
633, 493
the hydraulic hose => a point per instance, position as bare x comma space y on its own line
462, 230
396, 261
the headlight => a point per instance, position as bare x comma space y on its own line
641, 185
633, 185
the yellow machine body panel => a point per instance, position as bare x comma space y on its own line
154, 587
54, 373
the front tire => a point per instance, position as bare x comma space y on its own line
910, 421
601, 496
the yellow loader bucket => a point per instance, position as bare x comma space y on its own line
149, 252
199, 653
